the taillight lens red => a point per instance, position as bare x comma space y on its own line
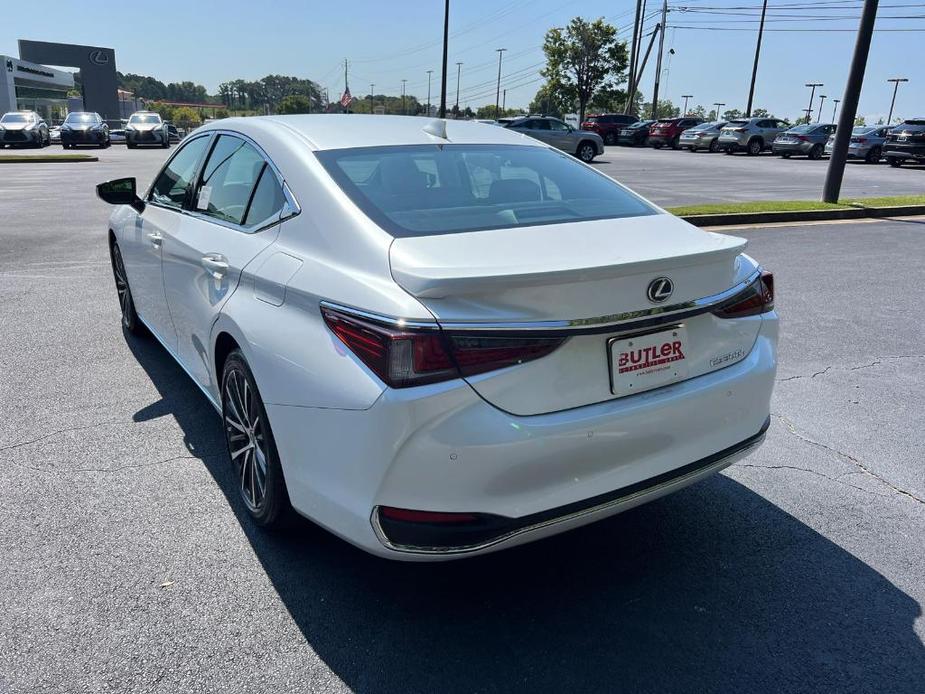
755, 299
403, 357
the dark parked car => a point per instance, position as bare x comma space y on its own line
667, 131
635, 135
906, 142
607, 125
83, 128
807, 139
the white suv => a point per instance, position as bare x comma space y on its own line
752, 135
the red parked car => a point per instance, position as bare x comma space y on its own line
607, 125
667, 131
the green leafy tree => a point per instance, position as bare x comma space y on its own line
666, 109
583, 59
698, 112
860, 120
761, 113
552, 100
488, 111
186, 117
732, 114
294, 103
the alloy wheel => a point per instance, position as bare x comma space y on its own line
125, 296
586, 153
247, 442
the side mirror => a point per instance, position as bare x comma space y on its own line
120, 191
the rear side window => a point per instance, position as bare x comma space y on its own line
424, 190
229, 179
268, 199
171, 186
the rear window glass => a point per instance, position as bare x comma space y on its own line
803, 129
423, 190
919, 123
737, 122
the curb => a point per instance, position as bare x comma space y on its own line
741, 218
38, 159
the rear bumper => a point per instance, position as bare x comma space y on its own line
893, 151
661, 139
701, 141
442, 448
733, 142
791, 147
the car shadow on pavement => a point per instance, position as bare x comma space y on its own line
711, 589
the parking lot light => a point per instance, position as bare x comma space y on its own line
895, 81
812, 93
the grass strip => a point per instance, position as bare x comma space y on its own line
39, 158
794, 205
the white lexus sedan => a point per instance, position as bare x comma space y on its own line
440, 338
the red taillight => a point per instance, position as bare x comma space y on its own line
802, 138
405, 357
757, 298
740, 130
411, 516
862, 140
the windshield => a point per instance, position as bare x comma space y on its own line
146, 118
422, 190
81, 118
14, 118
803, 129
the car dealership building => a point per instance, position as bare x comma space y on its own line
33, 87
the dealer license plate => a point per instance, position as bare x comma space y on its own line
648, 361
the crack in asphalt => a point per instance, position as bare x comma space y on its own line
121, 467
837, 480
862, 468
20, 444
876, 362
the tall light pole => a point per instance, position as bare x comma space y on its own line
658, 64
751, 87
458, 73
821, 101
372, 88
835, 108
498, 90
446, 41
836, 170
504, 101
404, 111
718, 106
895, 81
686, 97
429, 74
812, 93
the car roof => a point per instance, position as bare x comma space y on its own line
341, 131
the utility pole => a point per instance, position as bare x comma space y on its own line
718, 107
751, 88
458, 73
835, 108
836, 170
498, 91
372, 103
658, 64
404, 111
821, 101
812, 93
446, 41
504, 101
895, 81
429, 74
645, 58
633, 49
686, 97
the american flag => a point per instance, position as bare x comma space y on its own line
346, 98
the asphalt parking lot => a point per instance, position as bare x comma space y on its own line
130, 564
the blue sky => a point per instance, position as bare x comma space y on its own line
387, 41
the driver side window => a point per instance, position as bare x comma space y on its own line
557, 125
171, 186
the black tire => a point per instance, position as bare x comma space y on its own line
676, 142
130, 320
656, 145
714, 145
754, 146
165, 144
785, 155
691, 148
586, 151
816, 152
610, 139
249, 440
729, 150
873, 155
895, 163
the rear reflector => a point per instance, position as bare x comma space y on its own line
404, 357
755, 299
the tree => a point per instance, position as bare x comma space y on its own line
551, 100
186, 117
732, 114
860, 120
698, 112
761, 113
294, 103
666, 109
488, 111
582, 59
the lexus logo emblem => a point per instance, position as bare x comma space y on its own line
99, 57
659, 290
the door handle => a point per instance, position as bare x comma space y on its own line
216, 265
156, 239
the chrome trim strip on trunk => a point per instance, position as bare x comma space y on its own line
629, 320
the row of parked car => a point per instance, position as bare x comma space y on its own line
897, 143
28, 128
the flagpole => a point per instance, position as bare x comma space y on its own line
346, 86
